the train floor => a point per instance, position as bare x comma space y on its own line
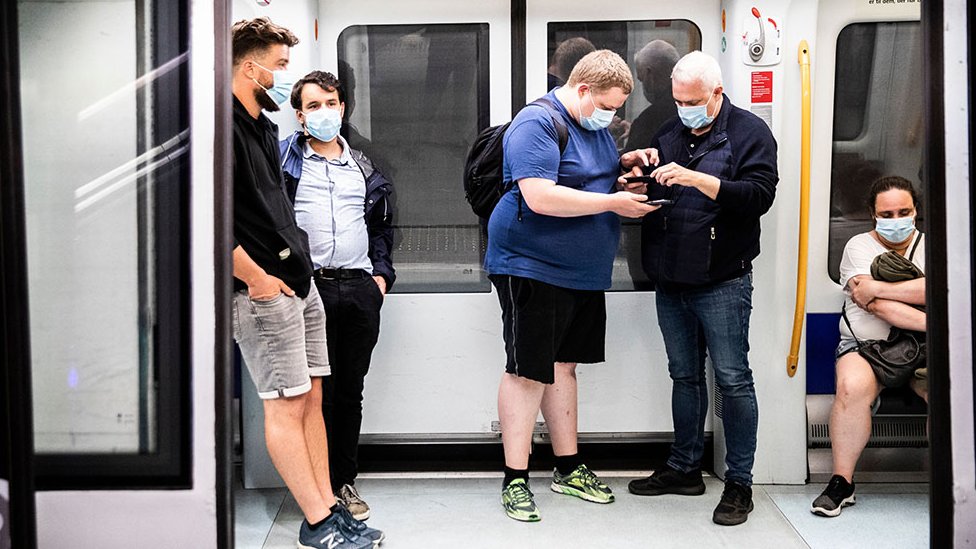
463, 510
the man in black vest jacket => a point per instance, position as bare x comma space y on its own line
717, 164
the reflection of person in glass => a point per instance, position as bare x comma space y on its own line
567, 54
872, 307
654, 63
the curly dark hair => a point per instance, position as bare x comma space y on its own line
325, 80
887, 183
258, 34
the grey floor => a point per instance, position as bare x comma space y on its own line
463, 510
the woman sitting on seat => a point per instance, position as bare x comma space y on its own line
872, 308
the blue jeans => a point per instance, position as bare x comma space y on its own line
715, 319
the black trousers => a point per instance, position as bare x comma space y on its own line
352, 324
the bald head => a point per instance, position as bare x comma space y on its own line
654, 64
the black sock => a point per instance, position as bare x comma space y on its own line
567, 464
512, 474
318, 524
335, 508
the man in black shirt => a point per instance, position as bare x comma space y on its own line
279, 322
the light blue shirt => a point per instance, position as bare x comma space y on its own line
329, 206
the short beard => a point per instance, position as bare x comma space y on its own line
265, 101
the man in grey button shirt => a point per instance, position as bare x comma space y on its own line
344, 204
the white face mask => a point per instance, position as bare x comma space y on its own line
695, 117
283, 82
600, 118
895, 230
323, 124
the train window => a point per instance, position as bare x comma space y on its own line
104, 103
651, 48
873, 60
417, 97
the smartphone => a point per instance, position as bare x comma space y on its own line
639, 179
660, 202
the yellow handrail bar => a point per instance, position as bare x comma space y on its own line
803, 58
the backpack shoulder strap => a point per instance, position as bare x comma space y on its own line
562, 132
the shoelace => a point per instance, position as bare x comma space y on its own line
349, 522
736, 494
519, 493
589, 476
835, 488
350, 494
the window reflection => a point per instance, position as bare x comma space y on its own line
651, 48
418, 94
868, 142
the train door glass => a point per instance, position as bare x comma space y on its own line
878, 122
104, 96
651, 48
417, 95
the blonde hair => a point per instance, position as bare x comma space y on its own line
602, 70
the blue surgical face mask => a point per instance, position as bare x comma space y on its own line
895, 230
599, 120
323, 124
695, 117
281, 89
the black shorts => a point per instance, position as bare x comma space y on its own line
544, 324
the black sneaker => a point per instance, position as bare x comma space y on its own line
331, 534
669, 481
735, 506
838, 494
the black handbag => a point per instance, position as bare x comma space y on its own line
895, 359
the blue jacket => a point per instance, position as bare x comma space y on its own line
378, 208
696, 241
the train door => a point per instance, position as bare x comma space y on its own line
121, 344
863, 62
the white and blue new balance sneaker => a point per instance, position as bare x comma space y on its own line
331, 534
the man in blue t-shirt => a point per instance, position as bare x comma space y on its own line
551, 243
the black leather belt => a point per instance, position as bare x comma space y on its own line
339, 274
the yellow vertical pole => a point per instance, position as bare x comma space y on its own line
803, 58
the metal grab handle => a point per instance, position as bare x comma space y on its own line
803, 58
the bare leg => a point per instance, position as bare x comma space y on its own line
850, 415
518, 407
317, 442
284, 433
560, 408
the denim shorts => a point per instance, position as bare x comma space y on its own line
282, 341
845, 346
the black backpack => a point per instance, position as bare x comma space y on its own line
484, 184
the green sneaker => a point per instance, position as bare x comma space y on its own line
583, 484
518, 503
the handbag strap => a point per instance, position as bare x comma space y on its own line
911, 254
843, 314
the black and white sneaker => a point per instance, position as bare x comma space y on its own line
838, 494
